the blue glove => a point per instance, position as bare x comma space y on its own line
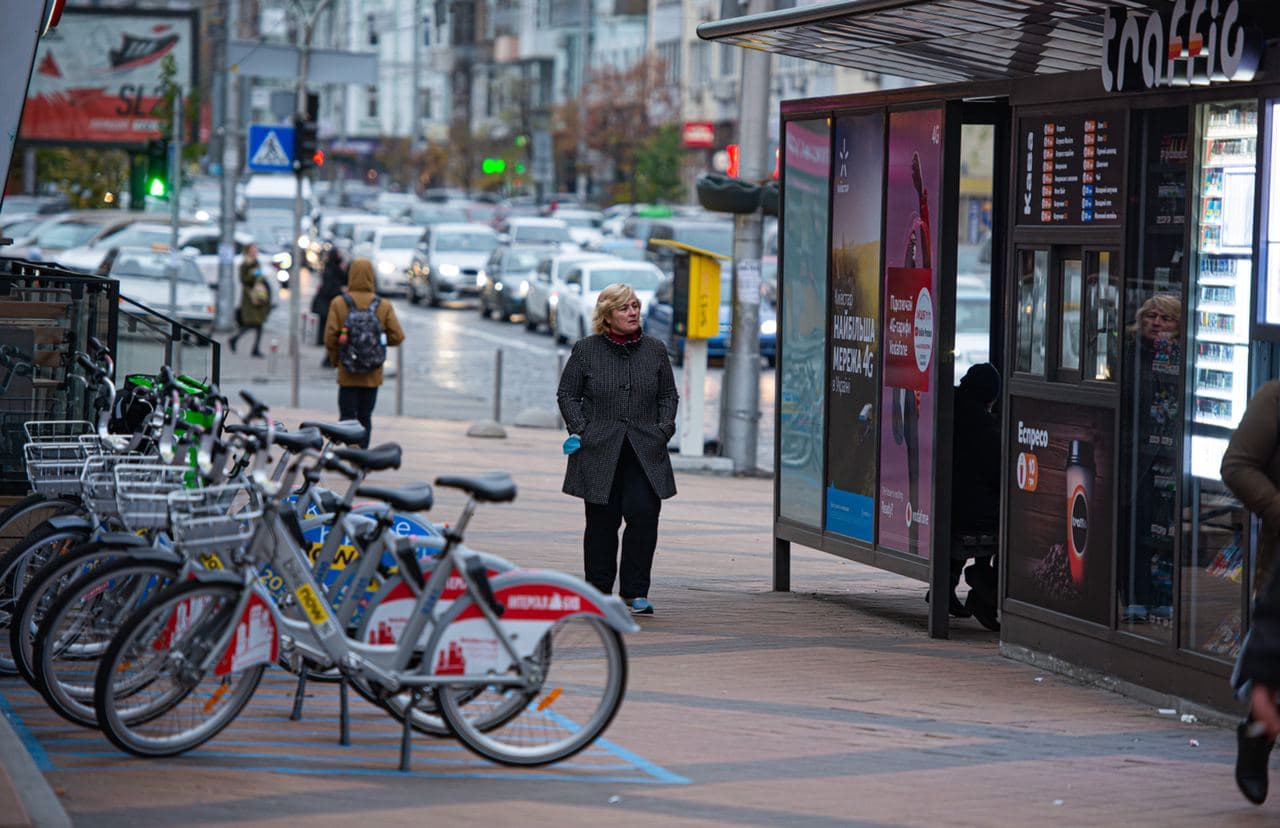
572, 444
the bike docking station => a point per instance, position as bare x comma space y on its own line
695, 300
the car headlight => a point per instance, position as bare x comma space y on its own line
480, 277
304, 241
553, 300
448, 270
769, 327
497, 284
386, 268
524, 288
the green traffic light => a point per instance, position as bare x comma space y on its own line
156, 188
493, 166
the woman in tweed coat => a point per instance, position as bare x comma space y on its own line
618, 398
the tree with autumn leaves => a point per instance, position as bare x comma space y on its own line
632, 137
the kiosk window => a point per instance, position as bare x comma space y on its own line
1101, 330
1072, 290
1033, 277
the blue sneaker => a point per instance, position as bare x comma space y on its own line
640, 606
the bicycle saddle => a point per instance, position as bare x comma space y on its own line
497, 487
385, 456
298, 441
411, 497
347, 432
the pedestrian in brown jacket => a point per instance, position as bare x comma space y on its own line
358, 392
1251, 470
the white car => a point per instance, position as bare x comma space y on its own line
547, 285
583, 283
200, 241
340, 228
390, 247
526, 230
585, 226
973, 324
143, 274
449, 262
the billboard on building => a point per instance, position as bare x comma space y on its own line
97, 76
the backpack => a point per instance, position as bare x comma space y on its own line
366, 347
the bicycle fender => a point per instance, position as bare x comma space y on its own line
122, 539
392, 609
535, 600
63, 523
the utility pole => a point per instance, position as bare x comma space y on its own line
175, 191
584, 62
230, 161
415, 123
740, 398
307, 24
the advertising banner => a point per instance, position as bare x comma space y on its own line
907, 401
97, 76
1060, 488
801, 393
857, 186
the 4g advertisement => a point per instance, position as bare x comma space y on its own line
1060, 510
97, 77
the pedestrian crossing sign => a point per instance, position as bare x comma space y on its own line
270, 148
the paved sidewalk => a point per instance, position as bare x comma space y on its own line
824, 706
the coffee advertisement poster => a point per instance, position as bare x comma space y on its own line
1060, 521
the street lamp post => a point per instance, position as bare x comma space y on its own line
307, 19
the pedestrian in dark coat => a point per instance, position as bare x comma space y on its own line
333, 278
1251, 470
255, 300
358, 393
618, 399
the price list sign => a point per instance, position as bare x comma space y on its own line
1072, 170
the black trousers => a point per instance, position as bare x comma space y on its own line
357, 404
257, 336
631, 499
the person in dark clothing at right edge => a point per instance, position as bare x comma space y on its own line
975, 493
333, 279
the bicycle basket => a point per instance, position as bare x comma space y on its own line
54, 469
142, 490
56, 431
98, 482
214, 518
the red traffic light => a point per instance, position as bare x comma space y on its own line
734, 153
318, 158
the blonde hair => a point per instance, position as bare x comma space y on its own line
1166, 304
614, 297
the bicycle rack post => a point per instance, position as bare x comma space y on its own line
299, 694
497, 386
344, 721
405, 748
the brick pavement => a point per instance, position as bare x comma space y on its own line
824, 706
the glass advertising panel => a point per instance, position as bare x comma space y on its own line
907, 401
1060, 490
807, 178
1269, 304
855, 324
1215, 526
1152, 402
1101, 328
1033, 292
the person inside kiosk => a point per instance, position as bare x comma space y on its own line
975, 494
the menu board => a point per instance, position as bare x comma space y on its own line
1072, 171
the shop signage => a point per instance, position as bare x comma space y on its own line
698, 134
1071, 170
1191, 43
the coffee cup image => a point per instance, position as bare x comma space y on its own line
1080, 474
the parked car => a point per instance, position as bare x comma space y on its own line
506, 278
390, 247
448, 262
659, 322
67, 230
547, 285
19, 226
583, 283
143, 274
537, 230
198, 239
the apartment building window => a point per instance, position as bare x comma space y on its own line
727, 54
371, 102
670, 55
700, 62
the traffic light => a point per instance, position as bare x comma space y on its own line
493, 166
306, 149
157, 183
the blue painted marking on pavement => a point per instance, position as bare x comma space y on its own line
524, 776
660, 773
29, 741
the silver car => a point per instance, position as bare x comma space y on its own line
448, 263
547, 286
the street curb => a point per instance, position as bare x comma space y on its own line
1053, 664
42, 806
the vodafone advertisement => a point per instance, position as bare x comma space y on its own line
97, 76
909, 348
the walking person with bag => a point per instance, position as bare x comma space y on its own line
333, 278
359, 329
255, 301
618, 399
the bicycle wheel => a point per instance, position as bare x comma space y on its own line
80, 626
151, 695
18, 521
19, 565
581, 665
40, 594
